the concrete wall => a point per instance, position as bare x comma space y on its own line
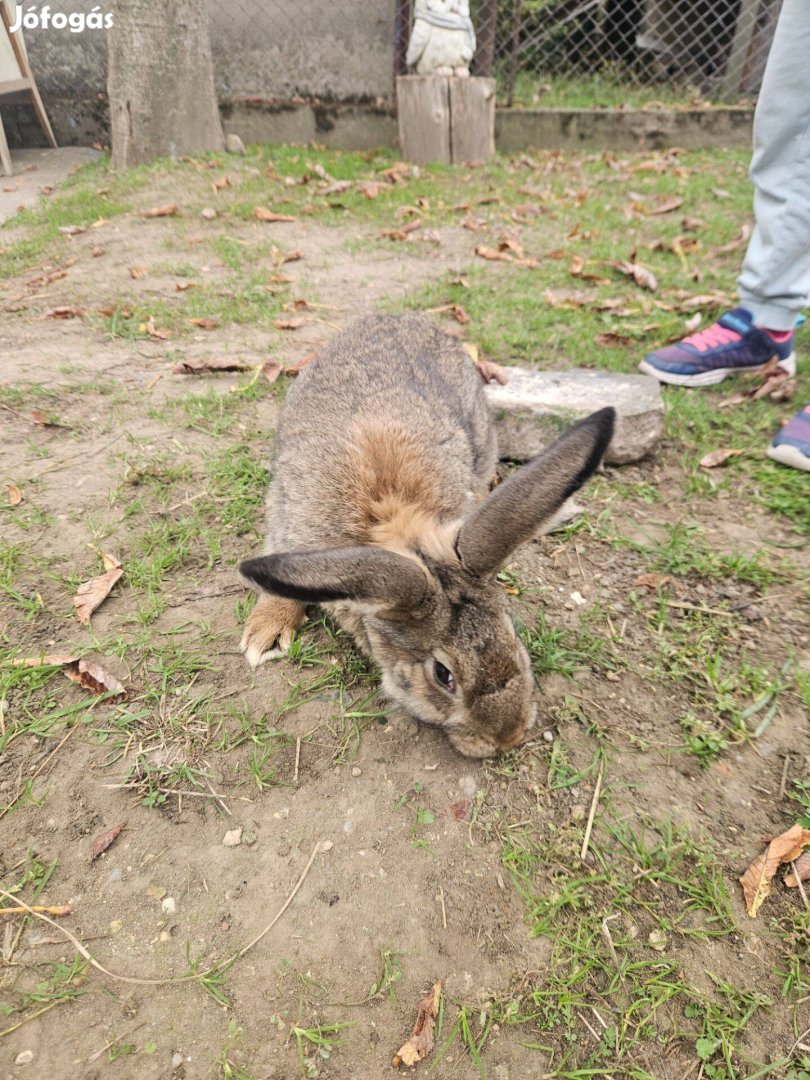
263, 49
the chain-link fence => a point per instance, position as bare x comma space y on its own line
588, 52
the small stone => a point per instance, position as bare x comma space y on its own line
657, 940
156, 892
548, 735
611, 676
25, 1057
165, 935
578, 598
468, 785
177, 1060
535, 407
326, 845
115, 926
234, 145
357, 771
169, 906
232, 838
115, 875
209, 213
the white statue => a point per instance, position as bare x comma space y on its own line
443, 39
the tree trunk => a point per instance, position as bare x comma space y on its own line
161, 81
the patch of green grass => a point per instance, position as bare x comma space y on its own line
555, 650
609, 88
316, 1044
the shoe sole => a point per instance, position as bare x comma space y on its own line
710, 378
786, 454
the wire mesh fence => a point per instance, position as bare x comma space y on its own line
591, 52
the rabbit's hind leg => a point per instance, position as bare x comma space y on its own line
270, 628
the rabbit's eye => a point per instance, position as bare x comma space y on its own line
444, 677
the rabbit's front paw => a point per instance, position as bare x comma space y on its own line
270, 629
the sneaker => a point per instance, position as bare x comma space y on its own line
792, 445
730, 345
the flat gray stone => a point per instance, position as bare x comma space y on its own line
535, 407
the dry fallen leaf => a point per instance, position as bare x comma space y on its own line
14, 494
493, 254
612, 340
91, 594
492, 372
299, 365
149, 328
716, 458
137, 272
106, 840
184, 286
200, 367
289, 324
220, 184
263, 214
271, 370
205, 324
420, 1043
93, 677
756, 881
160, 211
652, 581
72, 230
667, 205
66, 313
802, 868
643, 277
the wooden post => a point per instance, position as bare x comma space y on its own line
734, 76
446, 120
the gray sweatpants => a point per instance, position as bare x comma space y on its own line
775, 279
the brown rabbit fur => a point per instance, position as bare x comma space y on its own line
379, 509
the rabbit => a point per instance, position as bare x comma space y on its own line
380, 509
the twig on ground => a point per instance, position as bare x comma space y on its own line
297, 760
799, 882
783, 781
112, 1042
32, 1016
444, 910
683, 605
60, 909
589, 826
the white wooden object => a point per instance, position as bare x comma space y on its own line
16, 79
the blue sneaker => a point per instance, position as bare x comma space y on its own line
792, 445
730, 345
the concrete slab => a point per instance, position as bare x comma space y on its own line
537, 406
35, 170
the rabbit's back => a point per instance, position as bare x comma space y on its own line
392, 408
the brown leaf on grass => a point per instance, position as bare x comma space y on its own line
205, 324
403, 232
299, 365
221, 183
511, 245
421, 1041
289, 324
14, 494
666, 205
643, 277
184, 286
92, 594
756, 881
261, 213
271, 369
161, 211
279, 258
715, 458
66, 313
492, 254
72, 230
492, 372
93, 677
105, 840
137, 272
200, 367
652, 581
802, 871
149, 328
371, 189
776, 384
613, 341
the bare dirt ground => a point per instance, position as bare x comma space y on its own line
675, 705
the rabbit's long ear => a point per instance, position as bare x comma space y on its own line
355, 573
515, 511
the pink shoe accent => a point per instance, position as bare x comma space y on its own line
779, 336
711, 337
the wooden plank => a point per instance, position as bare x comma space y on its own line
25, 70
16, 86
472, 119
423, 106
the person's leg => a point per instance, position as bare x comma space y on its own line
775, 279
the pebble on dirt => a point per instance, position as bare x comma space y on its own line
232, 838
